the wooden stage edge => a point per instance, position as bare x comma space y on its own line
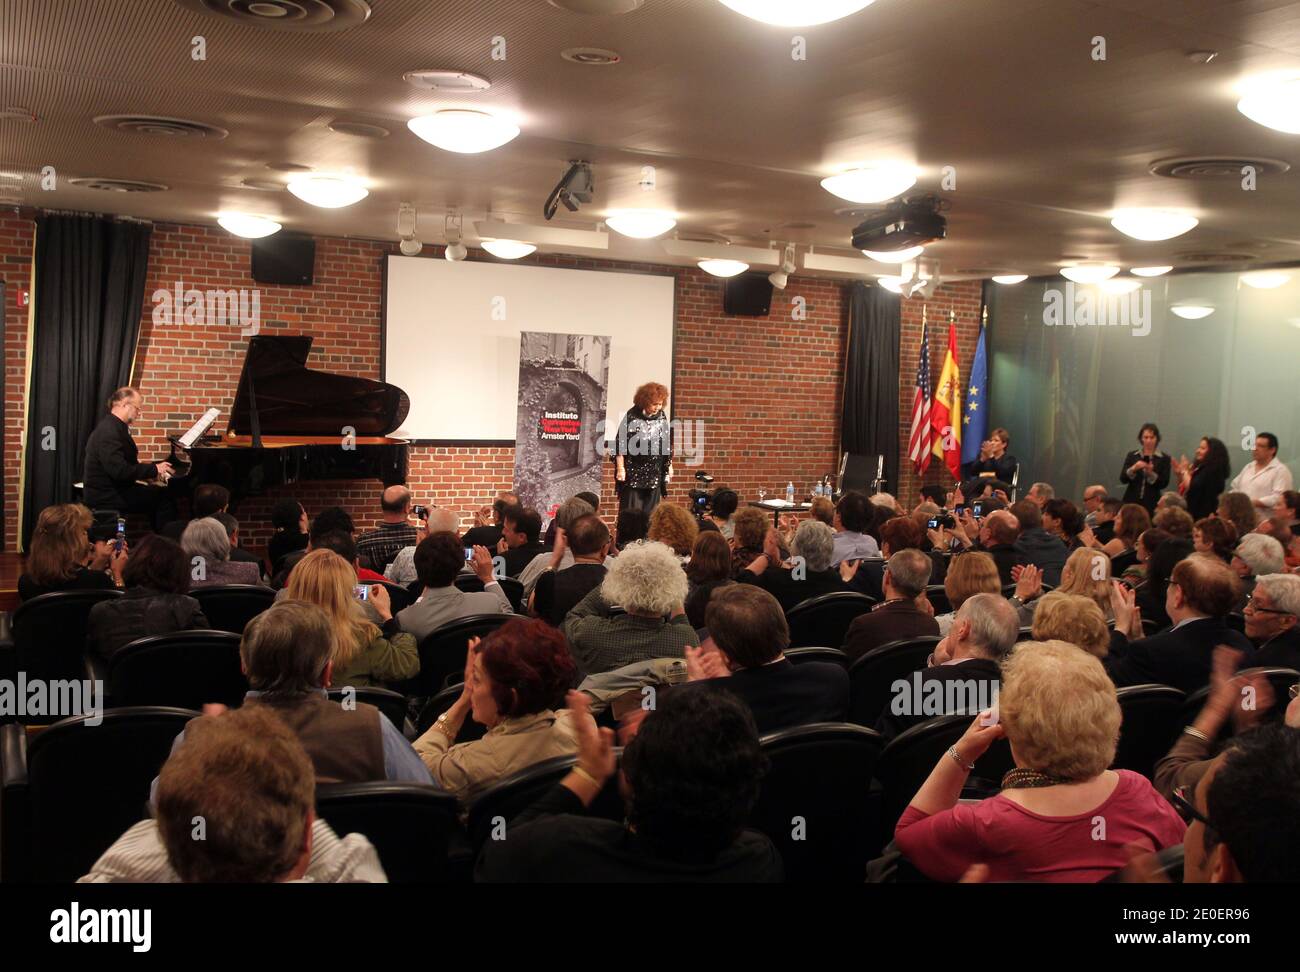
11, 568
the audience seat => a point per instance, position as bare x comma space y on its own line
391, 704
872, 676
513, 589
71, 790
398, 597
228, 607
440, 703
815, 800
798, 656
1152, 719
415, 828
443, 650
184, 668
825, 620
1122, 562
50, 633
937, 595
908, 759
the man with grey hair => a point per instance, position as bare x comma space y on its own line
113, 477
207, 545
898, 617
376, 549
966, 665
1256, 555
1273, 620
1092, 500
808, 574
647, 581
1040, 493
568, 513
402, 569
1170, 499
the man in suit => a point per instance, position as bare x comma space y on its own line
750, 631
438, 559
814, 576
1273, 620
897, 617
1037, 546
1199, 596
113, 468
982, 634
559, 591
1093, 498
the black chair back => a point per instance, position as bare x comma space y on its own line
71, 790
443, 651
1122, 562
798, 656
872, 676
399, 597
414, 827
825, 620
228, 607
391, 704
937, 595
440, 703
513, 589
184, 669
50, 633
814, 801
1152, 719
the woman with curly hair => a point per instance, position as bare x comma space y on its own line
1202, 480
675, 527
1216, 537
643, 450
1238, 510
750, 533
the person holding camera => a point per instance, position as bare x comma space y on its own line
643, 451
70, 552
1146, 470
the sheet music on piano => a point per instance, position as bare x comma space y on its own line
198, 428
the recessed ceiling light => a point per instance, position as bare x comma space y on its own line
1150, 271
328, 192
1152, 224
1120, 285
1088, 273
459, 130
796, 13
896, 256
871, 183
598, 7
1265, 279
248, 226
1011, 278
305, 16
1192, 310
1274, 104
640, 224
508, 249
436, 80
597, 56
723, 268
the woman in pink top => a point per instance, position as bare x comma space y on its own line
1061, 815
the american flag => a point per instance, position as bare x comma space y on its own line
922, 435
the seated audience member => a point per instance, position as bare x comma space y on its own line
1199, 595
997, 536
1238, 510
591, 499
674, 527
290, 522
687, 804
853, 517
565, 516
749, 534
709, 568
377, 548
1060, 714
1074, 619
237, 554
485, 533
207, 546
343, 545
1037, 546
648, 583
721, 510
1039, 494
1094, 508
630, 527
1175, 522
968, 574
1288, 506
1149, 541
1087, 573
330, 520
515, 680
157, 577
208, 500
61, 557
402, 569
558, 591
438, 560
1151, 595
898, 617
521, 531
994, 462
1215, 537
750, 631
1061, 518
1273, 620
965, 664
1172, 499
1255, 555
823, 510
808, 575
933, 493
364, 654
1124, 527
898, 533
247, 777
887, 502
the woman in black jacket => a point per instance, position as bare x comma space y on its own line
1202, 480
157, 575
1146, 470
643, 452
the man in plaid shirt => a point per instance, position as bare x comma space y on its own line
377, 548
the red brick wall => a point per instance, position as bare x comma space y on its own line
17, 236
767, 389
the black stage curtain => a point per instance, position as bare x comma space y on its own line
869, 425
89, 294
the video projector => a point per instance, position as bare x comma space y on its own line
912, 222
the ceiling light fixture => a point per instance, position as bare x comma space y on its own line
1265, 279
406, 220
508, 249
871, 183
451, 230
779, 278
464, 131
1274, 103
1150, 271
248, 226
1192, 311
893, 284
895, 256
640, 224
723, 268
328, 192
1088, 273
1010, 278
1152, 224
796, 13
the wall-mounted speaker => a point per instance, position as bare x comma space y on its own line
749, 294
284, 260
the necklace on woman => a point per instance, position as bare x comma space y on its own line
1027, 779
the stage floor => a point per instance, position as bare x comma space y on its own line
11, 567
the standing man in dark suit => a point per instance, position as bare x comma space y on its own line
750, 631
113, 465
905, 578
1200, 594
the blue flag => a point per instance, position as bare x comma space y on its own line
975, 422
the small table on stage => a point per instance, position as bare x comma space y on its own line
779, 506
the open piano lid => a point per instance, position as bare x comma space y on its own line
292, 399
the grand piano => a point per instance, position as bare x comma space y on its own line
290, 424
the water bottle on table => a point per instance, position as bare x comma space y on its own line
789, 493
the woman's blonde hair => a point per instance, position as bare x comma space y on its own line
1059, 709
672, 525
970, 574
1087, 573
59, 543
325, 579
1074, 618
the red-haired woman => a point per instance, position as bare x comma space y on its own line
515, 680
643, 451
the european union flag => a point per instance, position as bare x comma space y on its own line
975, 423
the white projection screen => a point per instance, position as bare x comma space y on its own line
447, 346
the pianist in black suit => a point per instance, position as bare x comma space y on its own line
750, 631
113, 467
1200, 594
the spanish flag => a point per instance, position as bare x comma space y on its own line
945, 414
